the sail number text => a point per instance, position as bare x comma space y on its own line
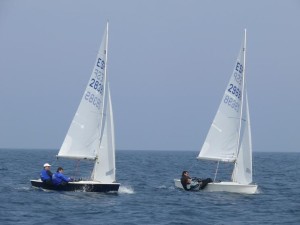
97, 81
97, 84
239, 67
231, 102
91, 98
238, 73
234, 90
100, 63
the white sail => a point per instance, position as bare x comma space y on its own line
83, 138
221, 143
242, 172
104, 169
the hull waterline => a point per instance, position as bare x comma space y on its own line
85, 186
226, 187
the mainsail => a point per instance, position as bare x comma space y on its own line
221, 142
91, 134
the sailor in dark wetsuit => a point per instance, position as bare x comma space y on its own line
186, 181
194, 184
46, 174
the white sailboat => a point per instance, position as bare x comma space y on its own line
229, 137
91, 133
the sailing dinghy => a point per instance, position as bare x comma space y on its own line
229, 137
91, 133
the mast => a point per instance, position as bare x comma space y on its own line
104, 88
242, 103
104, 106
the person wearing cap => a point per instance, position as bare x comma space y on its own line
59, 178
46, 174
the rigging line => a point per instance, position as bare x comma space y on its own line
216, 171
54, 162
192, 165
77, 166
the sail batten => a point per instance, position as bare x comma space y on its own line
221, 159
78, 157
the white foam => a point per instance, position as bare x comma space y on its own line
126, 190
162, 187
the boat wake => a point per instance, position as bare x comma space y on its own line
162, 187
258, 191
126, 190
22, 188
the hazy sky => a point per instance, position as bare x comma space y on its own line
168, 64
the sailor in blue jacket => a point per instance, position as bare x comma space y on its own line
46, 174
59, 179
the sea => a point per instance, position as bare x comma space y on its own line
147, 194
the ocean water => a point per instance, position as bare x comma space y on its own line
147, 194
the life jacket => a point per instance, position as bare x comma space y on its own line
45, 175
58, 178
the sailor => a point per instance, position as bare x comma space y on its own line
193, 184
46, 174
59, 178
187, 182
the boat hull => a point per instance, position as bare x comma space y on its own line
226, 187
85, 186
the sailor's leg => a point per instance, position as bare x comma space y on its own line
205, 182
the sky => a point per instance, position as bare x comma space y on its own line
168, 64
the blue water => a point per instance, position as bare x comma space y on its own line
147, 194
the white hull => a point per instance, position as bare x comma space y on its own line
226, 187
